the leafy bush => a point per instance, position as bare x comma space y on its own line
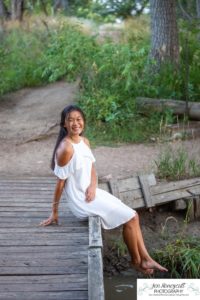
68, 53
20, 58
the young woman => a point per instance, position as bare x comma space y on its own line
73, 164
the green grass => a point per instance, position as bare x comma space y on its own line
181, 258
176, 164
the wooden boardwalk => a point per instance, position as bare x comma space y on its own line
54, 262
65, 262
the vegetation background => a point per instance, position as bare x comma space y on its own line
45, 41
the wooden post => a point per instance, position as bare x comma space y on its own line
146, 191
113, 186
196, 206
195, 191
190, 209
95, 264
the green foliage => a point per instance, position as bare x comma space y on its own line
181, 258
120, 8
111, 74
67, 54
176, 165
190, 53
20, 59
120, 247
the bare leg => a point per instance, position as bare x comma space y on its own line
137, 249
131, 239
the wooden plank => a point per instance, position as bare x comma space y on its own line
131, 195
175, 185
95, 279
28, 179
41, 249
146, 191
41, 279
132, 183
170, 196
95, 238
58, 286
41, 262
113, 186
58, 236
35, 220
133, 203
44, 242
39, 270
22, 189
196, 200
104, 186
45, 210
46, 229
25, 256
195, 190
69, 295
43, 199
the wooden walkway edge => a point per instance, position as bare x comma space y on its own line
95, 263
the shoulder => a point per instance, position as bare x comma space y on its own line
64, 153
86, 141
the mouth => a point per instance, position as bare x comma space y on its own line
76, 128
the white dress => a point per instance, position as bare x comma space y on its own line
112, 211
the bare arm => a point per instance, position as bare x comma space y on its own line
64, 154
91, 190
56, 199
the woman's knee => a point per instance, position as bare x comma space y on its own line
132, 221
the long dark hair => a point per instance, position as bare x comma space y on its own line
63, 131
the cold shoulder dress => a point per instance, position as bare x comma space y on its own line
112, 211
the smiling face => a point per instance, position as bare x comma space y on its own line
74, 123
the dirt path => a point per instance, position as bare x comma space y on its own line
29, 122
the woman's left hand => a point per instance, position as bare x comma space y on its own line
90, 193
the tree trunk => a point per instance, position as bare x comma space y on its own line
3, 10
198, 8
149, 105
17, 9
61, 4
164, 32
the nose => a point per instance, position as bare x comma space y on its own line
75, 122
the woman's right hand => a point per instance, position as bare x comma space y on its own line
53, 219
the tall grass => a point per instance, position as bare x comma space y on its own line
175, 164
181, 257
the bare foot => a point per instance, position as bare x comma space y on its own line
152, 264
142, 270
